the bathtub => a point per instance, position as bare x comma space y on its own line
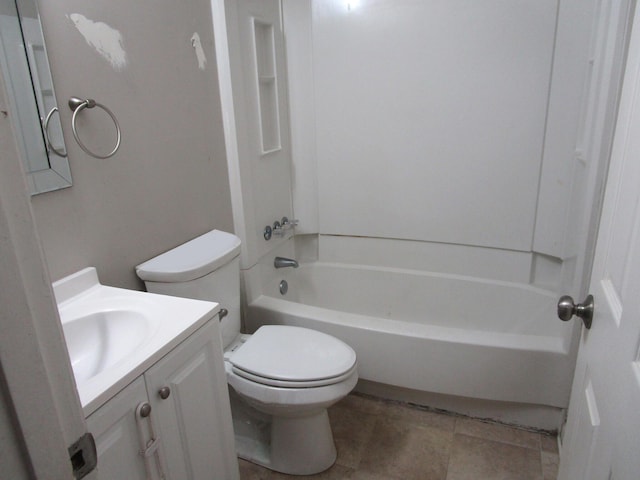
438, 333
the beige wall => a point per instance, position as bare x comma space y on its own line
168, 182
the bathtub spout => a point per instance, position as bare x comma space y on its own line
281, 262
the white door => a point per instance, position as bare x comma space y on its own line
38, 390
602, 437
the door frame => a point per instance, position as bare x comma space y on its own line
36, 376
609, 42
598, 419
609, 54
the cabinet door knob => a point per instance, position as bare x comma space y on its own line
144, 410
164, 392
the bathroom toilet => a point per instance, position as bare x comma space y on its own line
282, 378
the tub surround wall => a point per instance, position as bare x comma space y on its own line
449, 123
250, 46
440, 140
168, 183
427, 256
437, 126
300, 73
419, 130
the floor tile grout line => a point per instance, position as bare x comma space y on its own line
450, 453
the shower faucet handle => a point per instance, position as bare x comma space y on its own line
279, 228
288, 224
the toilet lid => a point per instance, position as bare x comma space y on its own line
191, 260
293, 354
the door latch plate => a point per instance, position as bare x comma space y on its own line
83, 455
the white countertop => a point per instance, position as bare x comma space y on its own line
167, 321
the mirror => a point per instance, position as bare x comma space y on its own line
32, 101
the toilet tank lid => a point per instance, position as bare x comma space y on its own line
191, 260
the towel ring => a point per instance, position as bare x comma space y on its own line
77, 105
45, 130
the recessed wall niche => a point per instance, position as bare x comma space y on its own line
267, 86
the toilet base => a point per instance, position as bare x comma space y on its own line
302, 445
297, 445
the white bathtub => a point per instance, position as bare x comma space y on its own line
444, 334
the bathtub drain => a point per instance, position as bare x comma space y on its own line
284, 287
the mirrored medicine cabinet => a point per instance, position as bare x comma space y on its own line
32, 101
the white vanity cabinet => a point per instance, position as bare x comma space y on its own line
116, 434
186, 391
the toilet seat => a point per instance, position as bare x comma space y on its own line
272, 382
293, 357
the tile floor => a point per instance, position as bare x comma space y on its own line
379, 440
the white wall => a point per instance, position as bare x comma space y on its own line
252, 76
440, 121
430, 118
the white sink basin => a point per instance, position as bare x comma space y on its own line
100, 339
113, 335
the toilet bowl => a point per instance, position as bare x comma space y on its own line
281, 379
275, 372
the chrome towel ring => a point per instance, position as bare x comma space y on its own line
77, 105
45, 129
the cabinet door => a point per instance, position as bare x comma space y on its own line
194, 421
115, 431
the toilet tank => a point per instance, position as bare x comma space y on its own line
205, 268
